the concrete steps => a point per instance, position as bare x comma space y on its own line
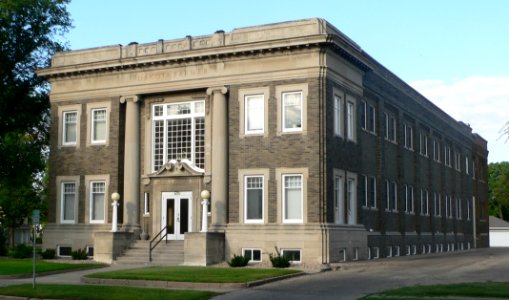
167, 254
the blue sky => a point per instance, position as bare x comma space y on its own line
453, 52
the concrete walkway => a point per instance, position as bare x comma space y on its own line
67, 277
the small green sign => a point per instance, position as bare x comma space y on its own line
36, 216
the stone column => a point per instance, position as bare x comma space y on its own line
219, 193
131, 164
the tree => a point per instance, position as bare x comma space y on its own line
498, 189
29, 32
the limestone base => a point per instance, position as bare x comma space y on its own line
203, 248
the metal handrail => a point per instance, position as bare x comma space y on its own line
161, 236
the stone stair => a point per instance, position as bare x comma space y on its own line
167, 254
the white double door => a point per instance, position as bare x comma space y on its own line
176, 214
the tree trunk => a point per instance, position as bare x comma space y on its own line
500, 214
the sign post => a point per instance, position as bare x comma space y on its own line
36, 219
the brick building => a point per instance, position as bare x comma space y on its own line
305, 142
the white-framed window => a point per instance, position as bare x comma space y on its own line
423, 149
253, 254
414, 249
339, 202
355, 253
373, 252
448, 206
396, 251
447, 156
178, 133
342, 254
99, 126
394, 196
350, 119
363, 190
436, 150
372, 191
438, 204
458, 208
390, 127
388, 251
409, 198
408, 250
293, 198
97, 198
424, 202
409, 136
146, 202
338, 115
90, 251
294, 255
68, 202
70, 128
292, 111
468, 209
351, 198
467, 169
253, 197
254, 106
364, 114
457, 160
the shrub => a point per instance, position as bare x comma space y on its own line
279, 261
21, 251
48, 254
238, 261
79, 254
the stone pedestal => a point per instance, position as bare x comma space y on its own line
109, 245
203, 248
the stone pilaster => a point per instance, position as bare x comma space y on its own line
131, 164
219, 193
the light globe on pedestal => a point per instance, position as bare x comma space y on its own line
205, 195
114, 218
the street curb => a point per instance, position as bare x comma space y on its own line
206, 286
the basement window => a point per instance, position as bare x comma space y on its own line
64, 251
293, 255
254, 255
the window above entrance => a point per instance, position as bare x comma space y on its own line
178, 133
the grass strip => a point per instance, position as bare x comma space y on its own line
195, 274
93, 292
474, 289
24, 266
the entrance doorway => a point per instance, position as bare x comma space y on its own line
176, 214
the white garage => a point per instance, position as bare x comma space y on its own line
499, 232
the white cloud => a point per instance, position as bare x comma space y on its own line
481, 101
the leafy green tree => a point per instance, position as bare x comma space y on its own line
29, 36
498, 189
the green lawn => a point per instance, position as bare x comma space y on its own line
24, 266
196, 274
477, 289
94, 292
